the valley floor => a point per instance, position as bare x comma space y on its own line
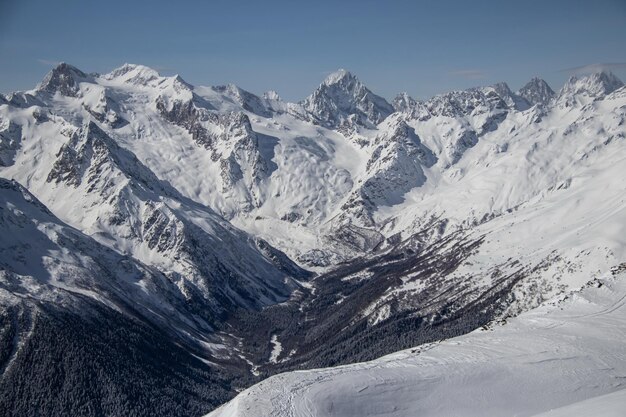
567, 357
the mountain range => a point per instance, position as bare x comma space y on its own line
165, 246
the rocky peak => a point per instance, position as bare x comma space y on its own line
536, 91
271, 95
341, 76
64, 79
403, 102
512, 100
399, 133
596, 85
465, 103
247, 100
341, 95
395, 167
93, 157
502, 89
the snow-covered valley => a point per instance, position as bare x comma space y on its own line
567, 357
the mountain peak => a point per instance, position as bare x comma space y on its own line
272, 95
339, 76
502, 88
63, 78
133, 74
598, 84
403, 102
536, 91
511, 99
342, 95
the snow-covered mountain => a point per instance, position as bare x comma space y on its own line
86, 330
421, 218
536, 91
597, 85
342, 98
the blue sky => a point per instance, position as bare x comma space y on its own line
422, 47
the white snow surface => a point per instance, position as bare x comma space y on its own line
609, 405
567, 357
277, 349
543, 185
301, 181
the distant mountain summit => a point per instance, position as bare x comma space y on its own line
536, 91
404, 102
64, 79
596, 85
342, 95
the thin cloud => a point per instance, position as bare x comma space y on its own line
48, 62
585, 69
469, 74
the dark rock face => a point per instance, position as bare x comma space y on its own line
236, 147
187, 115
10, 142
464, 140
88, 152
74, 159
63, 79
536, 91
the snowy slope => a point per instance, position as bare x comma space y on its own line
141, 162
446, 213
103, 189
335, 177
566, 352
534, 195
299, 175
84, 328
47, 261
609, 405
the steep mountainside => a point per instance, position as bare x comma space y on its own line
85, 330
